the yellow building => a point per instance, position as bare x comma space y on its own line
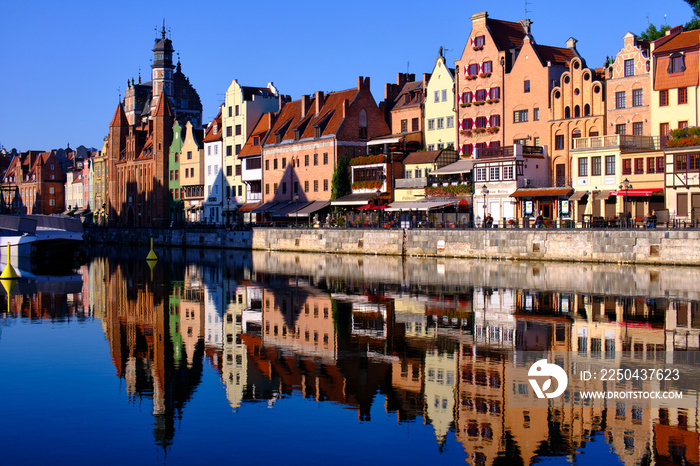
439, 120
242, 109
192, 172
601, 164
674, 71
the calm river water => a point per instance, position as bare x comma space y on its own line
281, 358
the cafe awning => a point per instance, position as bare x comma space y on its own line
601, 195
354, 199
309, 209
266, 207
419, 205
249, 207
541, 192
288, 210
577, 195
637, 192
460, 166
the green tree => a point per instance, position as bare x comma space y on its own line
653, 33
340, 185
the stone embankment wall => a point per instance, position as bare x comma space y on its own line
676, 247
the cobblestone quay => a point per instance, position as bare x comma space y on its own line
641, 246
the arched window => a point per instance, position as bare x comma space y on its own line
577, 112
567, 112
587, 110
363, 124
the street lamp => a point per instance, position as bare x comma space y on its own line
626, 186
484, 191
296, 205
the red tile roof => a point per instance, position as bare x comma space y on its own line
554, 54
119, 118
328, 119
260, 131
163, 108
505, 33
681, 41
422, 157
214, 130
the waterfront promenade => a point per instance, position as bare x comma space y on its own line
625, 246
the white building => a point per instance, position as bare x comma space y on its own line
214, 178
499, 171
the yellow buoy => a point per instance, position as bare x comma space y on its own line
8, 284
151, 255
151, 264
9, 272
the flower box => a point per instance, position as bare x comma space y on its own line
485, 75
368, 160
493, 101
467, 104
478, 47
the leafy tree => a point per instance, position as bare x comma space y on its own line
340, 185
653, 33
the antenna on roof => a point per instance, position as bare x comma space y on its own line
526, 4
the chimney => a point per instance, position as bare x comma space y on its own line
319, 101
345, 107
526, 24
305, 103
479, 19
571, 43
674, 31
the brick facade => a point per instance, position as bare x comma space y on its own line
310, 135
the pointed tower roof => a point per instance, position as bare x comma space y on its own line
163, 108
119, 118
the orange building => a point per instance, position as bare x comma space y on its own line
310, 136
490, 52
537, 69
629, 88
578, 110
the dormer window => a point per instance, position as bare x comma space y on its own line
256, 141
317, 132
676, 63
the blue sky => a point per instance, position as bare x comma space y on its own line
65, 63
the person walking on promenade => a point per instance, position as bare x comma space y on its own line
539, 221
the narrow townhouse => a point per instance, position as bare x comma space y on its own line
243, 107
439, 121
215, 208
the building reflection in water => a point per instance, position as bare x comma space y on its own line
436, 341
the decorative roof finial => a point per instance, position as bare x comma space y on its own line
163, 31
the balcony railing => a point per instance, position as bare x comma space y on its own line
508, 151
625, 142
